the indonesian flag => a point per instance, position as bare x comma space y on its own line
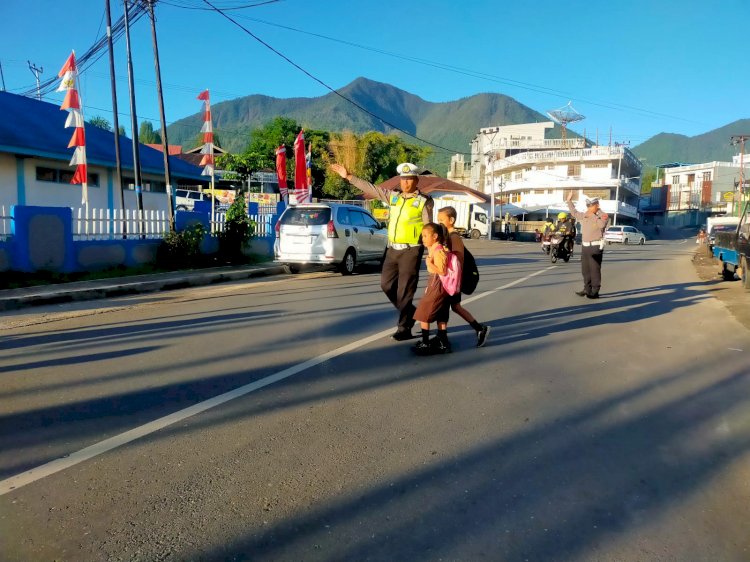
72, 103
300, 169
281, 171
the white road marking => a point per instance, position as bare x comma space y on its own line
57, 465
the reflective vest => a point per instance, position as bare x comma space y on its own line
405, 222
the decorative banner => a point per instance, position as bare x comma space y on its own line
72, 103
301, 188
308, 165
208, 136
281, 171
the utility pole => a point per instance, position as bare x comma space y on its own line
164, 141
36, 72
617, 189
2, 76
740, 139
134, 124
116, 119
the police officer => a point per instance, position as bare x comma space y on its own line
410, 210
593, 224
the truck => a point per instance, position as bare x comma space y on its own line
471, 219
732, 249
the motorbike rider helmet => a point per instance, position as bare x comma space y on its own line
562, 216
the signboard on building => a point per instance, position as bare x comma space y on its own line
263, 198
728, 196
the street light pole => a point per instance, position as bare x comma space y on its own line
492, 195
617, 189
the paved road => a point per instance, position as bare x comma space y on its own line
615, 429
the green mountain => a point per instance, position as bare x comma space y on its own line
707, 147
451, 124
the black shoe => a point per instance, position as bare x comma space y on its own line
440, 347
402, 335
593, 295
422, 348
482, 335
581, 293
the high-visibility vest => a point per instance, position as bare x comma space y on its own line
405, 224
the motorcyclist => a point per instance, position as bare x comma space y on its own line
547, 229
566, 227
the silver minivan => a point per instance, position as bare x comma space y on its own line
329, 234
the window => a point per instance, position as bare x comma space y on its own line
574, 170
706, 176
357, 218
342, 215
58, 175
517, 176
306, 217
550, 166
46, 174
370, 222
675, 180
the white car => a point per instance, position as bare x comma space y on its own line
624, 235
329, 234
185, 199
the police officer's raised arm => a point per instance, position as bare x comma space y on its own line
363, 185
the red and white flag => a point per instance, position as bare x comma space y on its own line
72, 103
208, 136
301, 189
281, 171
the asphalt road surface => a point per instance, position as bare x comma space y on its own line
275, 420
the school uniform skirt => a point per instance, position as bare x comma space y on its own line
434, 306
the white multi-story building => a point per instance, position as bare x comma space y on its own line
704, 189
524, 168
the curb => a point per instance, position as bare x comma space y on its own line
92, 290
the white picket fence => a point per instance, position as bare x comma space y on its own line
106, 224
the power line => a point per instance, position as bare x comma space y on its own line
329, 88
187, 6
476, 74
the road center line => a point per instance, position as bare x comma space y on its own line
57, 465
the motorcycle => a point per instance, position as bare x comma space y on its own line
559, 248
546, 243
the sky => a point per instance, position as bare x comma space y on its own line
639, 67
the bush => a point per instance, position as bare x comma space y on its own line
237, 231
182, 249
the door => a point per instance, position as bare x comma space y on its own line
361, 234
378, 236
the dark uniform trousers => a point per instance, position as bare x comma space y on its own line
591, 266
399, 280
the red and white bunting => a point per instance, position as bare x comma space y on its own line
208, 136
72, 103
281, 172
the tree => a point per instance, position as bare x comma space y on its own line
648, 175
372, 156
147, 135
122, 131
100, 122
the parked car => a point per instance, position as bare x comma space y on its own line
624, 235
332, 234
185, 199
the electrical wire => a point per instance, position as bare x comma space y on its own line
187, 6
331, 89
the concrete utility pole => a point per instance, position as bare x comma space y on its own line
115, 118
134, 125
740, 139
36, 72
2, 76
164, 141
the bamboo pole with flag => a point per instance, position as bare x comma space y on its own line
208, 149
281, 172
72, 103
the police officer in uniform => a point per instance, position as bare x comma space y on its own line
410, 210
593, 224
